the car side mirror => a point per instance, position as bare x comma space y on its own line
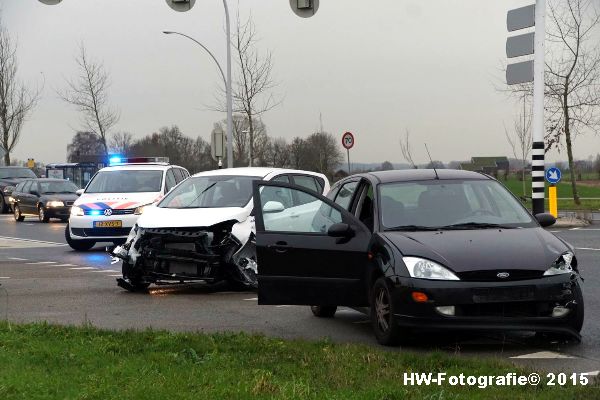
545, 219
272, 207
340, 230
79, 192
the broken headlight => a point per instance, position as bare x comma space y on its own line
562, 265
140, 210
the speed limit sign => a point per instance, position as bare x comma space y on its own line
348, 140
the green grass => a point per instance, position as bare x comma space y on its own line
564, 191
39, 361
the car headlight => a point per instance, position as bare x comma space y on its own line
562, 265
140, 210
55, 203
426, 269
77, 211
8, 189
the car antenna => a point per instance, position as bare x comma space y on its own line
432, 163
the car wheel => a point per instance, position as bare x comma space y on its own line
135, 282
42, 214
385, 324
323, 311
78, 245
17, 213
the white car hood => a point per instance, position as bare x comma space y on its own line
155, 217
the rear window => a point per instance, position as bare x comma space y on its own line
16, 173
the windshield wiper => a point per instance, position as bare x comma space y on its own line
412, 228
476, 225
201, 193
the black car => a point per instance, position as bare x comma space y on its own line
9, 178
44, 198
424, 250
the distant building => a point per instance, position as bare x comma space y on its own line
487, 165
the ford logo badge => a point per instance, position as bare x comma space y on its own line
503, 275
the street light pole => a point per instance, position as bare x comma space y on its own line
228, 94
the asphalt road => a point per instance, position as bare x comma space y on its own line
44, 280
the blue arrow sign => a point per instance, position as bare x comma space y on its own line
553, 175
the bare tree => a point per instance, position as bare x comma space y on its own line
573, 75
121, 143
406, 150
89, 93
84, 144
253, 86
520, 141
16, 99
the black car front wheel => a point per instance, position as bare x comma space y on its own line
42, 214
17, 213
385, 324
323, 311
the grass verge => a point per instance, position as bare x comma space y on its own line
40, 361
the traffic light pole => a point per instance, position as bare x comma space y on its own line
537, 162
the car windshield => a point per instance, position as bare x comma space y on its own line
48, 187
16, 173
450, 204
211, 192
126, 181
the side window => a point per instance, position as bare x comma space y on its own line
316, 218
281, 178
179, 175
19, 187
307, 182
344, 196
171, 182
184, 173
27, 187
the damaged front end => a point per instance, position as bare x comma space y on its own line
177, 255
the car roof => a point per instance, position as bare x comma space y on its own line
13, 167
255, 171
147, 167
406, 175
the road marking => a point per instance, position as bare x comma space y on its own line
281, 306
252, 299
592, 373
116, 275
82, 268
105, 270
544, 355
17, 259
4, 277
19, 243
41, 262
586, 248
64, 265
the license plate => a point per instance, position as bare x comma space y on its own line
108, 224
503, 294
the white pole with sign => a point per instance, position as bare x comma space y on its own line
348, 143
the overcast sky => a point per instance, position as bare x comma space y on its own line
374, 68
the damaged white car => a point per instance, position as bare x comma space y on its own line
203, 229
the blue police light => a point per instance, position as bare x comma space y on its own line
95, 212
114, 160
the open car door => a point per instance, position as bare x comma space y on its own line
309, 252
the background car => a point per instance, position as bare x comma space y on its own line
423, 249
114, 199
44, 198
10, 177
203, 230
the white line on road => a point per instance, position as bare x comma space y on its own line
17, 259
281, 306
32, 240
105, 270
81, 268
41, 262
586, 248
591, 373
251, 299
118, 276
544, 355
4, 277
65, 265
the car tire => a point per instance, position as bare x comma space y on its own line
3, 205
136, 284
323, 311
383, 318
42, 215
78, 245
17, 213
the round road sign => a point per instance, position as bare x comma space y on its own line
348, 140
304, 8
181, 6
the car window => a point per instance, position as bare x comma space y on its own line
27, 187
49, 187
281, 178
307, 182
126, 181
16, 173
365, 208
19, 187
344, 196
170, 180
314, 216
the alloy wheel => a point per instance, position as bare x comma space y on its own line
382, 310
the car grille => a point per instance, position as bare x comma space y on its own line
127, 211
101, 232
492, 275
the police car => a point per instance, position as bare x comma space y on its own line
116, 196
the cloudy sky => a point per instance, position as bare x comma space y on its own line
375, 68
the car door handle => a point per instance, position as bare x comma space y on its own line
280, 247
